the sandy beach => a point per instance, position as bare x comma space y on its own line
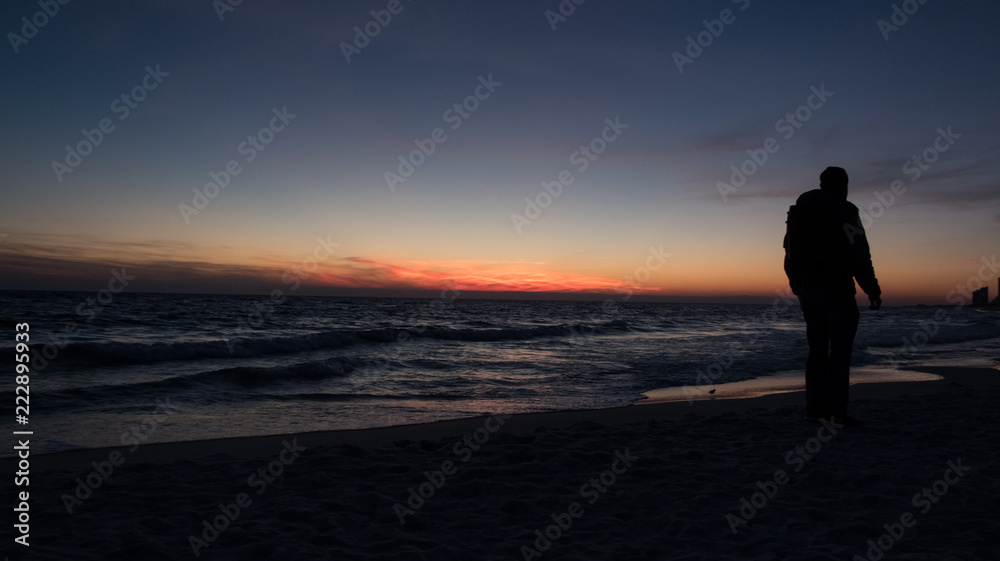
712, 479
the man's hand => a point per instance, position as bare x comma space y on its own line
875, 302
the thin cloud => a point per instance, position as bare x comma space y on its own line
54, 265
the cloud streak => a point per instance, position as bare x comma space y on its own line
70, 263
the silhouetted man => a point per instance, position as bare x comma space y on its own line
825, 251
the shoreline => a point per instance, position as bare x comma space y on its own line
260, 446
780, 382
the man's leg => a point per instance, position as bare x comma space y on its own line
844, 317
815, 313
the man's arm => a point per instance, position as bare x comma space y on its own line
861, 259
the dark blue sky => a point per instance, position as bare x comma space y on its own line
656, 184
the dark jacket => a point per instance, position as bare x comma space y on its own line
826, 248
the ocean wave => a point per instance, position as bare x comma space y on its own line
241, 377
118, 352
359, 397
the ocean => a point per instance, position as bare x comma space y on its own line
128, 369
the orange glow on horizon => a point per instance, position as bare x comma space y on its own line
694, 272
478, 275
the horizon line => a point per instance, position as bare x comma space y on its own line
755, 299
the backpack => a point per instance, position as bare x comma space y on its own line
817, 249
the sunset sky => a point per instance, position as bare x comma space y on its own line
311, 210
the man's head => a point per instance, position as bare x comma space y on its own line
834, 180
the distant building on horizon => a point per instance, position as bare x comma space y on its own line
981, 297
